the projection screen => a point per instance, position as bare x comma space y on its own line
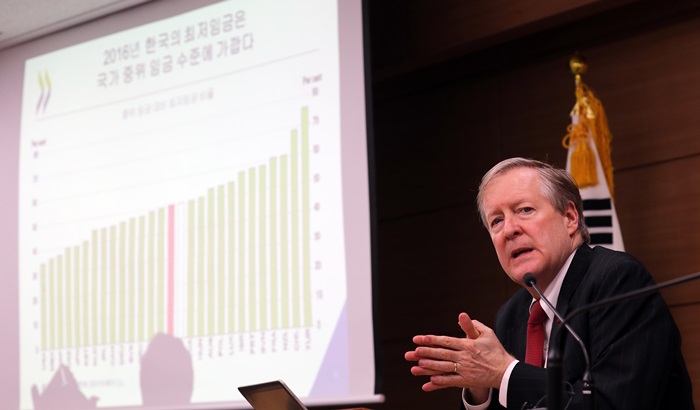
187, 208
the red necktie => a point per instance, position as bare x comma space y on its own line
535, 335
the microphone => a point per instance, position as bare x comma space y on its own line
555, 384
555, 349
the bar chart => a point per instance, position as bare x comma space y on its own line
118, 285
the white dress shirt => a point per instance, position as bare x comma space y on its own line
552, 294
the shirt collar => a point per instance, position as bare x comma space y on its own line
552, 292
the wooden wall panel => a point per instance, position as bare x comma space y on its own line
648, 84
435, 137
432, 277
403, 391
535, 102
427, 32
446, 24
426, 146
659, 211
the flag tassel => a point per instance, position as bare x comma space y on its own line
592, 122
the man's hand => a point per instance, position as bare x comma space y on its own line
476, 362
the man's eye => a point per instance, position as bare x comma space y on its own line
527, 209
495, 221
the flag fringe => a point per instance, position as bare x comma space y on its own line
592, 122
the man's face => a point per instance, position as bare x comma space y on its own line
528, 233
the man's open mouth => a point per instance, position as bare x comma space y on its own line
518, 252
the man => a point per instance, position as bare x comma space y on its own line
534, 215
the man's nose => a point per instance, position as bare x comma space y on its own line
511, 227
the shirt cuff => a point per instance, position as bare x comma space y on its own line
482, 406
503, 390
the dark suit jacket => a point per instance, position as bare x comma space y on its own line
634, 346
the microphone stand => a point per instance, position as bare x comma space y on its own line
555, 380
554, 355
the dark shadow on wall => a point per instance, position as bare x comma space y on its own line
166, 377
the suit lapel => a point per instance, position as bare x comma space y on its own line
574, 276
517, 333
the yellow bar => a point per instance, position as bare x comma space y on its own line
113, 284
94, 313
141, 319
252, 302
241, 252
161, 324
122, 282
77, 298
274, 292
59, 300
150, 272
44, 308
69, 298
284, 247
305, 228
231, 257
132, 279
52, 305
294, 160
191, 241
262, 254
221, 241
86, 293
201, 281
103, 285
211, 261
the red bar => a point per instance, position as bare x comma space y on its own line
171, 267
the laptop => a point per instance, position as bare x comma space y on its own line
274, 395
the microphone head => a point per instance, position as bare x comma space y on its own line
530, 279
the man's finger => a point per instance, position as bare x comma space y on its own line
422, 371
465, 322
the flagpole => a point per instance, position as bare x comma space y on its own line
588, 141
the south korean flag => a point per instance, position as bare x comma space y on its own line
599, 208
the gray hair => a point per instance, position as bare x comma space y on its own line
557, 186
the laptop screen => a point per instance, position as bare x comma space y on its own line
273, 395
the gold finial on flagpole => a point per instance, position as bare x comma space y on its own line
578, 66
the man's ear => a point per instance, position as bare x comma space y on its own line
572, 217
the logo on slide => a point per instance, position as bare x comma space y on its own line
45, 86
